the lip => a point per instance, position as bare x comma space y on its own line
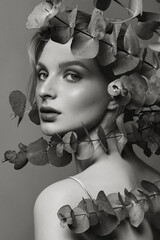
46, 109
49, 114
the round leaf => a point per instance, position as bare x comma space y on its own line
66, 216
102, 4
81, 221
34, 115
97, 25
70, 142
131, 43
17, 101
106, 54
10, 156
136, 214
145, 30
37, 17
125, 63
89, 206
84, 46
21, 160
58, 161
150, 187
37, 152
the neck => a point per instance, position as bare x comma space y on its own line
113, 159
99, 153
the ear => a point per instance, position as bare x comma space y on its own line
112, 105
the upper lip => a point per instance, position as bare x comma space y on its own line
48, 110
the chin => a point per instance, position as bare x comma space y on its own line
50, 129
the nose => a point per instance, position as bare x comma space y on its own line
47, 89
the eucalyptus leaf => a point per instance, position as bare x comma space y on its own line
72, 17
130, 132
155, 219
106, 54
120, 124
135, 7
34, 115
104, 204
37, 152
70, 142
38, 16
138, 87
121, 142
131, 43
145, 30
149, 17
102, 137
119, 210
81, 221
153, 146
102, 4
22, 147
106, 225
155, 61
97, 25
17, 101
124, 63
151, 95
62, 27
65, 214
84, 46
58, 161
21, 160
59, 149
143, 198
10, 156
154, 46
136, 214
108, 218
150, 187
156, 203
89, 207
61, 35
130, 197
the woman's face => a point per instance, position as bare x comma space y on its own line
69, 91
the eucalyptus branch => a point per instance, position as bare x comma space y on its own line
101, 40
118, 207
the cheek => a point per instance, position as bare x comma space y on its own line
87, 103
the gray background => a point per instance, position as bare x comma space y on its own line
19, 189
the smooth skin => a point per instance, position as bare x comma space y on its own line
77, 89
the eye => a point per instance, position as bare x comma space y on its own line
72, 77
42, 75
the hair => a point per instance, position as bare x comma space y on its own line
37, 44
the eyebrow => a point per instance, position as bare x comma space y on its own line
73, 63
65, 64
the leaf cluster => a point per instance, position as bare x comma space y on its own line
116, 43
103, 214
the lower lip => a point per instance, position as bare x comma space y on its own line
49, 117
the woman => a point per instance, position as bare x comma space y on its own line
71, 92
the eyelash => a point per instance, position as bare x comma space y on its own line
74, 76
40, 73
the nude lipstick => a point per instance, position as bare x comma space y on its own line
48, 114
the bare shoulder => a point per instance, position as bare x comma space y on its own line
61, 192
46, 222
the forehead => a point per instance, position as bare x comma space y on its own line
56, 53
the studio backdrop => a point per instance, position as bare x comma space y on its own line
20, 188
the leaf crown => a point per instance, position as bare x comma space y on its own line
118, 45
